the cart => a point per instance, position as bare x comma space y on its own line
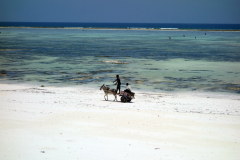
126, 96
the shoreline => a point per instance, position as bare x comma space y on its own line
129, 29
97, 86
77, 123
171, 98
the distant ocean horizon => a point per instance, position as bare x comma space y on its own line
123, 25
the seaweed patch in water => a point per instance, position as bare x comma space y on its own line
201, 70
181, 86
101, 71
6, 64
48, 72
129, 49
14, 49
190, 79
103, 56
126, 78
233, 87
114, 62
215, 80
82, 73
164, 82
139, 81
13, 74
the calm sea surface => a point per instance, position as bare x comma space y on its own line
150, 60
124, 25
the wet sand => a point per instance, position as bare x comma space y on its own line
77, 123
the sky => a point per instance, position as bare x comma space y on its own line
121, 11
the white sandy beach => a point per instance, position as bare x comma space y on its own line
72, 123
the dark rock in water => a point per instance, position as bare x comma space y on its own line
3, 73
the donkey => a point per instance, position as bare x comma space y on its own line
107, 91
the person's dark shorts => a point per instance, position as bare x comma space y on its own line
118, 87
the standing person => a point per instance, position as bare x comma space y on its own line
118, 83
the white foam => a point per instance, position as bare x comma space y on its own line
169, 28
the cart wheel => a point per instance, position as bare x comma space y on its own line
123, 99
129, 100
106, 97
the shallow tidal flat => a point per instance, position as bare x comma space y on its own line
147, 59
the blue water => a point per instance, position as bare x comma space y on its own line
124, 25
147, 59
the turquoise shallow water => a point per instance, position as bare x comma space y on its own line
147, 59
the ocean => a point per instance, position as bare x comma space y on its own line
150, 59
124, 25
